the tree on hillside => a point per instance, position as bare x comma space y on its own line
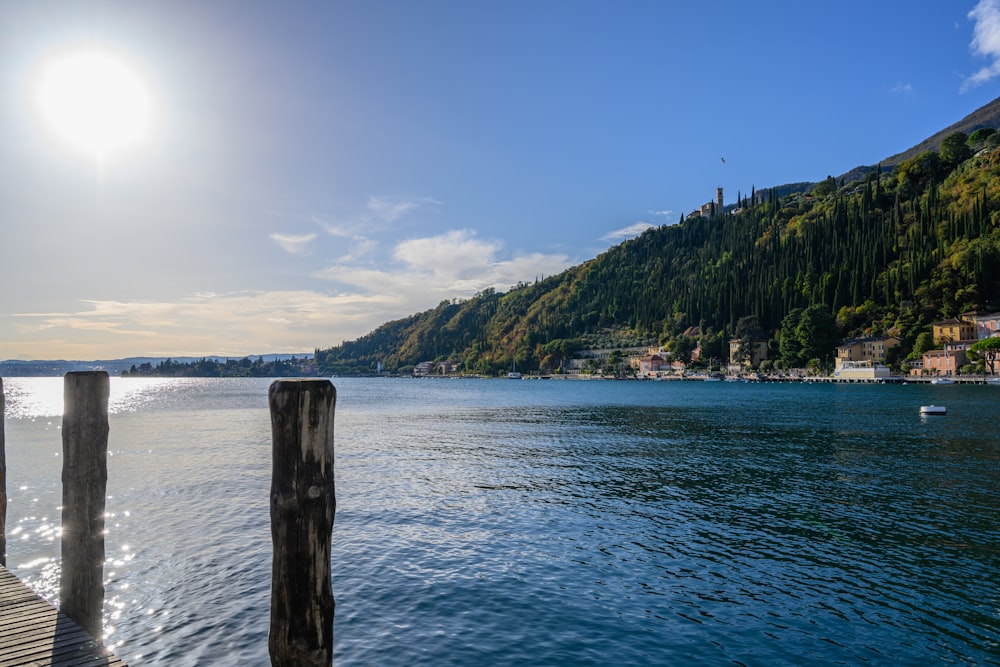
807, 335
826, 187
914, 175
817, 332
955, 150
747, 331
987, 349
924, 342
789, 347
682, 348
978, 138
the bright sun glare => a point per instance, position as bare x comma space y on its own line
94, 102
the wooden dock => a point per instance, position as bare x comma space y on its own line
34, 634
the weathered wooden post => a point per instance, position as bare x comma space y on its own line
84, 479
3, 481
303, 504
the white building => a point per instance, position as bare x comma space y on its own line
861, 371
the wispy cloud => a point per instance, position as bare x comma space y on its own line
294, 244
333, 229
985, 41
234, 324
392, 209
360, 248
629, 232
901, 89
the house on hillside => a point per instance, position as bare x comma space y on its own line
871, 348
757, 354
954, 329
710, 209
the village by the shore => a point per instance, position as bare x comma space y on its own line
857, 360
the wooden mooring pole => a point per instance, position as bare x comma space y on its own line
303, 504
84, 479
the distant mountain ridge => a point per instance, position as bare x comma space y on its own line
987, 115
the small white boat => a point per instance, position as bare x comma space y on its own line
942, 381
994, 380
933, 410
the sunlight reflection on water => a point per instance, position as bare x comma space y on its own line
36, 398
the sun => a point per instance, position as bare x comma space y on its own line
94, 102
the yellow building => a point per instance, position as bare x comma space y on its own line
865, 349
955, 329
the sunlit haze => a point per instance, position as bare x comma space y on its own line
94, 102
232, 177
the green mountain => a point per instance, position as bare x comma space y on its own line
985, 117
886, 253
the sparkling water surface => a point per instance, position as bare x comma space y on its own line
502, 522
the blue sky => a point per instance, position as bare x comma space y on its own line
306, 171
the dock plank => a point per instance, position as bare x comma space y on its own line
33, 633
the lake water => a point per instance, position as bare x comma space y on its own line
503, 522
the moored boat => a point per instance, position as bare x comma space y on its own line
933, 410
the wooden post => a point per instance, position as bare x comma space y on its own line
303, 504
3, 481
84, 479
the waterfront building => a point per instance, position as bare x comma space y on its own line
862, 371
871, 348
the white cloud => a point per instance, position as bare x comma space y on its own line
293, 243
985, 41
456, 264
454, 251
901, 89
629, 232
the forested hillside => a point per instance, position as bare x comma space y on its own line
887, 254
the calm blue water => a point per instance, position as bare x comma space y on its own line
501, 522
